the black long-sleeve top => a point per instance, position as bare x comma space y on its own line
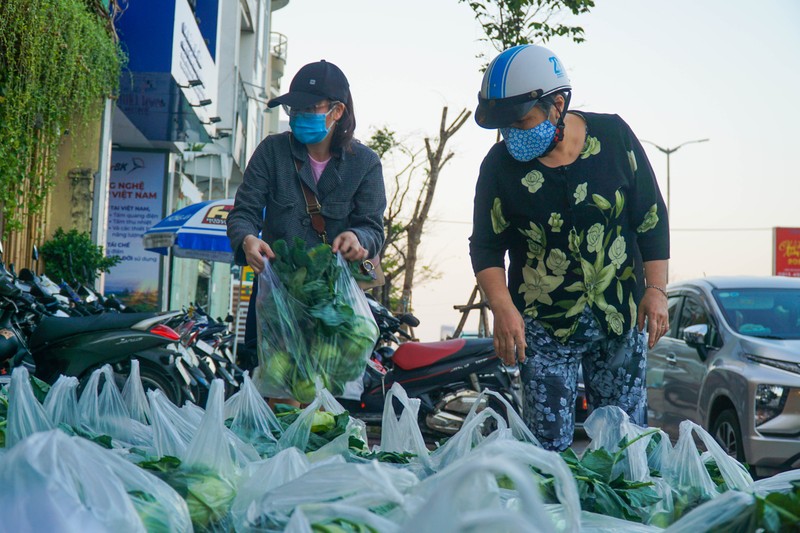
576, 235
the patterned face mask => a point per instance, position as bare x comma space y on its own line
526, 145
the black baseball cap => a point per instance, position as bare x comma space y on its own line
312, 84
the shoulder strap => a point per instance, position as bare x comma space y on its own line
313, 207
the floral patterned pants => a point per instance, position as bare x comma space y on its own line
613, 374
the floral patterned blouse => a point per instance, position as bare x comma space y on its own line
576, 235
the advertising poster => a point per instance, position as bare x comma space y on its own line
135, 204
786, 252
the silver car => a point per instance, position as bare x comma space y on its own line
731, 363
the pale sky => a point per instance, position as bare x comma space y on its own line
675, 70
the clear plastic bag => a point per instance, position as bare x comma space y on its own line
209, 472
402, 434
598, 523
686, 471
307, 517
252, 420
778, 483
261, 477
518, 427
134, 397
61, 402
607, 427
313, 323
732, 511
26, 415
468, 437
371, 486
104, 412
214, 446
467, 497
299, 433
172, 430
524, 455
53, 482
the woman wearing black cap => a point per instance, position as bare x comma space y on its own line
318, 160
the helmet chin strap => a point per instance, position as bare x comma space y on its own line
559, 136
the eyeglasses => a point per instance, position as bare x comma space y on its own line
315, 109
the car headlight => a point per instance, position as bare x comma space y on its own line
776, 363
770, 400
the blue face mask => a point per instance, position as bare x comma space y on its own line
526, 145
309, 128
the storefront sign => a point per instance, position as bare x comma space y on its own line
786, 252
246, 287
135, 204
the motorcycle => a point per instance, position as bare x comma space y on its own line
205, 353
447, 376
50, 346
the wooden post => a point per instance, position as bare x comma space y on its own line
483, 308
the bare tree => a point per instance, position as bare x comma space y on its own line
400, 254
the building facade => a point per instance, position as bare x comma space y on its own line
191, 111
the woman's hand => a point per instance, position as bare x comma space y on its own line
654, 307
347, 243
254, 250
509, 334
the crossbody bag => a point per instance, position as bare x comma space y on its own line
369, 267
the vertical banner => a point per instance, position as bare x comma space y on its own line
786, 252
135, 204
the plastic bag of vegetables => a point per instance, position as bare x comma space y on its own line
337, 518
61, 402
373, 486
207, 472
401, 434
104, 411
467, 497
54, 482
134, 397
172, 431
314, 323
252, 420
26, 415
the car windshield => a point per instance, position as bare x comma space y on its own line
765, 313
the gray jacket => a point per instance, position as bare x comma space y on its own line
350, 190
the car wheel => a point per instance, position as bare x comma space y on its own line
728, 433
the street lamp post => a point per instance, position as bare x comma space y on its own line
670, 151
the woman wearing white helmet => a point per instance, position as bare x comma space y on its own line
572, 199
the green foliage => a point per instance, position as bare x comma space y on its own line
382, 141
57, 63
508, 23
77, 248
601, 492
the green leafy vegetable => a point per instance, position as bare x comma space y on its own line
309, 329
208, 496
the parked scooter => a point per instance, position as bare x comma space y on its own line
51, 346
447, 376
205, 353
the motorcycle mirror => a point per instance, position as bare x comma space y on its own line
409, 320
35, 253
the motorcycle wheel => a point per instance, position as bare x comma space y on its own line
154, 378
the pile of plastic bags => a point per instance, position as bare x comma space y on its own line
132, 461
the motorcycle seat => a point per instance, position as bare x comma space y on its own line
54, 328
413, 355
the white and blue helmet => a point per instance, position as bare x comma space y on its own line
515, 80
